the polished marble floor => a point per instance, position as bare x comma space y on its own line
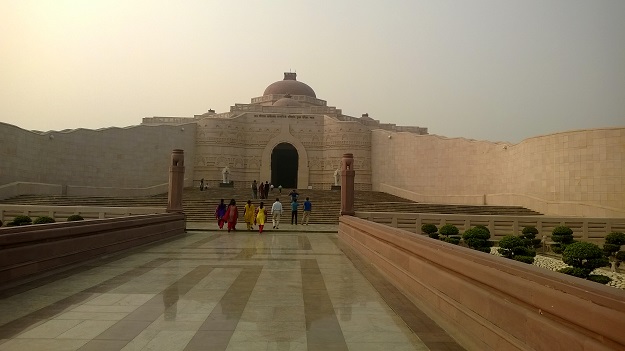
292, 289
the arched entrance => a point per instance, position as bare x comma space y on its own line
284, 163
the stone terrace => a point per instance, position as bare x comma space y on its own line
200, 205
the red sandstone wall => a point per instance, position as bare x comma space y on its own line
488, 302
36, 248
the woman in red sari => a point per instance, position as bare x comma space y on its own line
232, 214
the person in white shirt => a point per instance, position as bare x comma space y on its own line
276, 211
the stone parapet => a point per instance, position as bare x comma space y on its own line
34, 249
487, 302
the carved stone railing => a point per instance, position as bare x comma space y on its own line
585, 229
60, 213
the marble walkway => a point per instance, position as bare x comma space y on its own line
287, 289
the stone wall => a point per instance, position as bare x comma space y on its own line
245, 144
487, 302
579, 173
132, 157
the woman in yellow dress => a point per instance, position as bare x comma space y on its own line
249, 214
261, 216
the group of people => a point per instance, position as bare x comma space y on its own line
262, 190
229, 214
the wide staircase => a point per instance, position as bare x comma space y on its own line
200, 205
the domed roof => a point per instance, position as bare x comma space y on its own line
289, 85
286, 101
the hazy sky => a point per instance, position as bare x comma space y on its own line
482, 69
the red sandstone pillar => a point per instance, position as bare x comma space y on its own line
176, 181
347, 185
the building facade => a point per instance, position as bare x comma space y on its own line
287, 137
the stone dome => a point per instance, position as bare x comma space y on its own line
289, 85
286, 101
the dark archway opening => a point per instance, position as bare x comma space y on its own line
284, 161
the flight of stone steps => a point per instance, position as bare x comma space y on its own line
200, 206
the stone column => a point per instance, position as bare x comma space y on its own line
347, 185
176, 181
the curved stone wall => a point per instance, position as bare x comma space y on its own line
570, 173
132, 157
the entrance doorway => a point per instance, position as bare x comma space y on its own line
284, 161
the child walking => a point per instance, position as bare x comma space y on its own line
261, 217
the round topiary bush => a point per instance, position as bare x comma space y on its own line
528, 234
43, 220
430, 230
576, 272
450, 232
477, 238
598, 278
585, 256
449, 229
20, 220
0, 223
513, 247
75, 218
612, 248
563, 236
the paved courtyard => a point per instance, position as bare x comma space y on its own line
292, 289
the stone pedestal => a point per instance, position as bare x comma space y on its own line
335, 187
227, 185
176, 181
347, 185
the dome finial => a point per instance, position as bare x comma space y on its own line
290, 76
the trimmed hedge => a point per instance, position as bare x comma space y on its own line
43, 220
75, 218
431, 230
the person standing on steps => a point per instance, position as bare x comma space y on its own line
307, 209
220, 213
254, 190
261, 217
276, 212
294, 206
266, 189
249, 214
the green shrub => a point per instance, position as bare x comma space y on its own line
449, 229
513, 247
75, 218
598, 278
453, 239
528, 234
612, 247
563, 236
43, 220
524, 259
20, 220
477, 238
450, 232
431, 230
586, 256
576, 272
0, 223
615, 238
508, 244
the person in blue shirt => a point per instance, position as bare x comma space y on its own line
294, 205
307, 209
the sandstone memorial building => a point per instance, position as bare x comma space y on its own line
290, 137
